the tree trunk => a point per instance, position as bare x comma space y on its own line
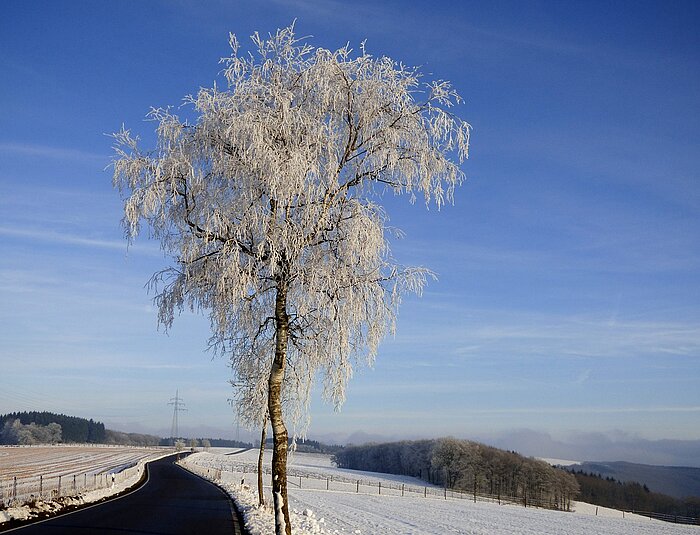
274, 400
263, 435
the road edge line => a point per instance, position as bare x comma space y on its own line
14, 525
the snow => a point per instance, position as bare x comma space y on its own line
559, 462
315, 510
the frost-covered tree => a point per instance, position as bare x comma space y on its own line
10, 432
268, 202
14, 432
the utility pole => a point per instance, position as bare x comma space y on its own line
178, 406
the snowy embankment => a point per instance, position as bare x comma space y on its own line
342, 509
69, 461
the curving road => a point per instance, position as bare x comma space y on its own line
172, 502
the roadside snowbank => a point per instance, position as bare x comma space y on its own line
258, 520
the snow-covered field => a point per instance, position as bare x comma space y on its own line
343, 510
50, 461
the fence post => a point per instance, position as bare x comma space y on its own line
358, 486
327, 484
73, 482
299, 481
402, 485
41, 484
59, 485
380, 487
14, 489
445, 491
425, 492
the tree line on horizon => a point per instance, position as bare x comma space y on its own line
632, 496
34, 427
467, 466
40, 428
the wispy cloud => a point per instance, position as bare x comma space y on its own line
430, 416
593, 240
569, 337
583, 377
584, 410
480, 333
70, 239
59, 153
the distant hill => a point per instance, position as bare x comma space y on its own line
633, 496
466, 466
679, 482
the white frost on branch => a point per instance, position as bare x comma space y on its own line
279, 179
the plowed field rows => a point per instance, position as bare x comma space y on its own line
32, 472
51, 461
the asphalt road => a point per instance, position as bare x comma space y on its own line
172, 502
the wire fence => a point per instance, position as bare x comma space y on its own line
675, 519
17, 491
296, 479
247, 475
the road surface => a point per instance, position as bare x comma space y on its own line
172, 502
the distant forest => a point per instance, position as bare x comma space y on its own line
72, 429
304, 446
484, 470
51, 428
469, 467
608, 492
225, 443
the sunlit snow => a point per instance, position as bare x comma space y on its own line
319, 511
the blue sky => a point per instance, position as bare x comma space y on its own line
568, 298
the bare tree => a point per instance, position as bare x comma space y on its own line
268, 203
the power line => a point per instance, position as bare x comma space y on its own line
178, 406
